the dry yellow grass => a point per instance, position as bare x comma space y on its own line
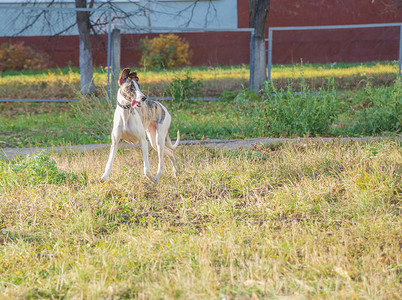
66, 83
301, 221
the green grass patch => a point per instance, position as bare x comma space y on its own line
297, 108
275, 112
44, 124
300, 220
35, 169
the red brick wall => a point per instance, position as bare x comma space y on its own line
352, 45
232, 48
209, 48
62, 49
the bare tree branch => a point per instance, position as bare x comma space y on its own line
211, 6
30, 24
95, 21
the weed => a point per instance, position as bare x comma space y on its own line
228, 95
304, 113
301, 111
181, 89
34, 170
280, 112
383, 112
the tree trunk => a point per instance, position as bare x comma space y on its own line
258, 10
86, 67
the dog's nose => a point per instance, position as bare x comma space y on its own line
144, 98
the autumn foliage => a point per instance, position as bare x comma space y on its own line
167, 51
18, 57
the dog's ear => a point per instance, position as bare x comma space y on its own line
124, 76
134, 75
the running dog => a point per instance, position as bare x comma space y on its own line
135, 118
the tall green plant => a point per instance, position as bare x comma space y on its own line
289, 113
182, 88
383, 111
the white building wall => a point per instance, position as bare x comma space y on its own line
157, 13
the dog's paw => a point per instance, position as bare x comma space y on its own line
176, 173
152, 178
149, 175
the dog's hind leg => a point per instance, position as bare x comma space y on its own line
151, 132
115, 136
172, 160
160, 145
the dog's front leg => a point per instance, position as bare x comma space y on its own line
147, 169
115, 136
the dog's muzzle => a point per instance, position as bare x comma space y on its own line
135, 103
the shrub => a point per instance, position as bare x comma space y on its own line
167, 51
16, 57
383, 111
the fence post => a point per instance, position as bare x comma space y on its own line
270, 36
115, 64
109, 41
251, 67
400, 50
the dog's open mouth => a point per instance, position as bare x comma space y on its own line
135, 103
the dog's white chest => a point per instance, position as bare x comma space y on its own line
132, 129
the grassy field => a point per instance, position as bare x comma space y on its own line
302, 221
64, 83
306, 220
369, 111
49, 124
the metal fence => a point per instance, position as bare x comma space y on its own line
272, 29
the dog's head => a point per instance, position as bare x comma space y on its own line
130, 89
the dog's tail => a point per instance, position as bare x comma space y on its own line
169, 142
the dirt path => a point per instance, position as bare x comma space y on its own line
11, 153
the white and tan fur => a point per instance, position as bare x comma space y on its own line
135, 118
